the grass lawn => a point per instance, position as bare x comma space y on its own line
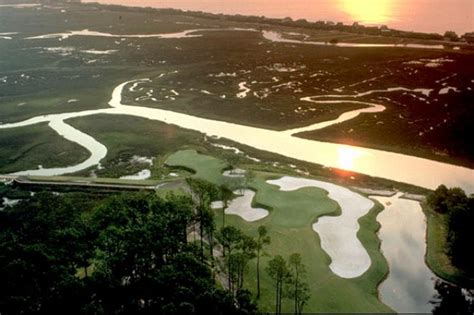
206, 167
290, 227
436, 256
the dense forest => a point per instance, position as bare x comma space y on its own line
133, 253
123, 254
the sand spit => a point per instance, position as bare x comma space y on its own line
372, 108
236, 173
143, 174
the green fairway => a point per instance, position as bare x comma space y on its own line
290, 228
206, 167
436, 257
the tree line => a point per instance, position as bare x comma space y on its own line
125, 254
458, 209
264, 21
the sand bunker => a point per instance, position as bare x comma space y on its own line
236, 173
338, 234
242, 206
143, 174
217, 205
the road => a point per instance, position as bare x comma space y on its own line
84, 183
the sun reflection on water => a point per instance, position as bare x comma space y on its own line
347, 157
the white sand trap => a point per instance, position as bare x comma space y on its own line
338, 234
242, 206
143, 174
235, 173
217, 205
142, 159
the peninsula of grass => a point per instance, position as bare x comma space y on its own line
205, 166
436, 257
290, 227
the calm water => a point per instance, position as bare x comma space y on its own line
394, 166
410, 285
413, 15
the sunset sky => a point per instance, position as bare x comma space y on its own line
413, 15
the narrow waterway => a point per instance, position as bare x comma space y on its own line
277, 37
410, 285
394, 166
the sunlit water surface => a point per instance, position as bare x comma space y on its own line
410, 285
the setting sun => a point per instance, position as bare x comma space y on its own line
242, 157
367, 11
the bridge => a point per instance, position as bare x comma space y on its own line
88, 183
